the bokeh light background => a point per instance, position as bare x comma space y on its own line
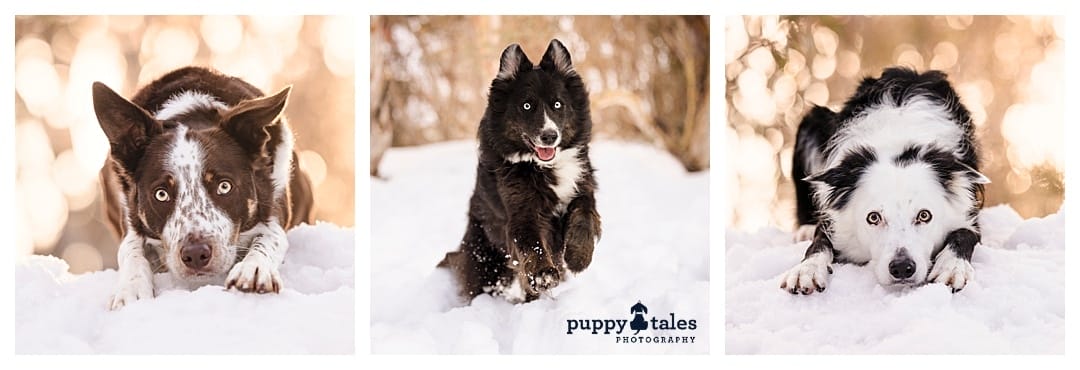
1008, 71
60, 146
647, 76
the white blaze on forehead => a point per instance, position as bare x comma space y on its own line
194, 213
890, 128
549, 125
188, 101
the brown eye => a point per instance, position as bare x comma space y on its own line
873, 218
923, 217
224, 187
161, 195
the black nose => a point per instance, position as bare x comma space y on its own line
196, 255
548, 137
902, 268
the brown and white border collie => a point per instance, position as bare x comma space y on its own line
201, 181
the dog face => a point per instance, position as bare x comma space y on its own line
538, 108
194, 175
898, 210
904, 225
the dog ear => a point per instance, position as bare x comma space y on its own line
248, 121
835, 185
128, 126
557, 58
976, 176
512, 62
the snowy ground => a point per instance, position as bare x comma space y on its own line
1016, 304
654, 250
57, 312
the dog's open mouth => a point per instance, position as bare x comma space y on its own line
545, 154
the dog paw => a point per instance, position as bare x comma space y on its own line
578, 256
808, 276
805, 232
255, 274
130, 290
952, 271
544, 280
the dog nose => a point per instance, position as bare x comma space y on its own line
196, 255
548, 137
902, 268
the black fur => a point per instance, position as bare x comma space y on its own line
816, 141
517, 227
845, 176
814, 131
817, 132
903, 84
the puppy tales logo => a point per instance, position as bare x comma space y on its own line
667, 329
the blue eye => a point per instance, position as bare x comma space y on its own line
527, 106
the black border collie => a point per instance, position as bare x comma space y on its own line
201, 181
532, 215
892, 181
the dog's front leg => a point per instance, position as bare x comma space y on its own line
582, 232
531, 254
136, 278
258, 271
813, 272
952, 265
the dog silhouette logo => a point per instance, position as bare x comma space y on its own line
639, 323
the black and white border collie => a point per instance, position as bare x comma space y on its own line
201, 181
891, 181
532, 214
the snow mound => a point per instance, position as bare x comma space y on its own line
57, 312
1016, 304
654, 249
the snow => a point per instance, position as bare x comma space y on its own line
654, 249
1016, 304
58, 312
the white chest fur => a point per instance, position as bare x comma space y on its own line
567, 169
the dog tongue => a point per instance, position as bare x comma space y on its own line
545, 154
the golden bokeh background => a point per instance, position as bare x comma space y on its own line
60, 146
1008, 71
647, 76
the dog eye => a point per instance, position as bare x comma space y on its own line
873, 218
527, 106
161, 195
558, 104
924, 217
224, 187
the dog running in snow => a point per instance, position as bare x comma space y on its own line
892, 181
201, 180
532, 215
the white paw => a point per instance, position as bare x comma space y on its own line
805, 232
136, 287
808, 276
255, 274
951, 270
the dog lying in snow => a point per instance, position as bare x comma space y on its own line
892, 181
201, 180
